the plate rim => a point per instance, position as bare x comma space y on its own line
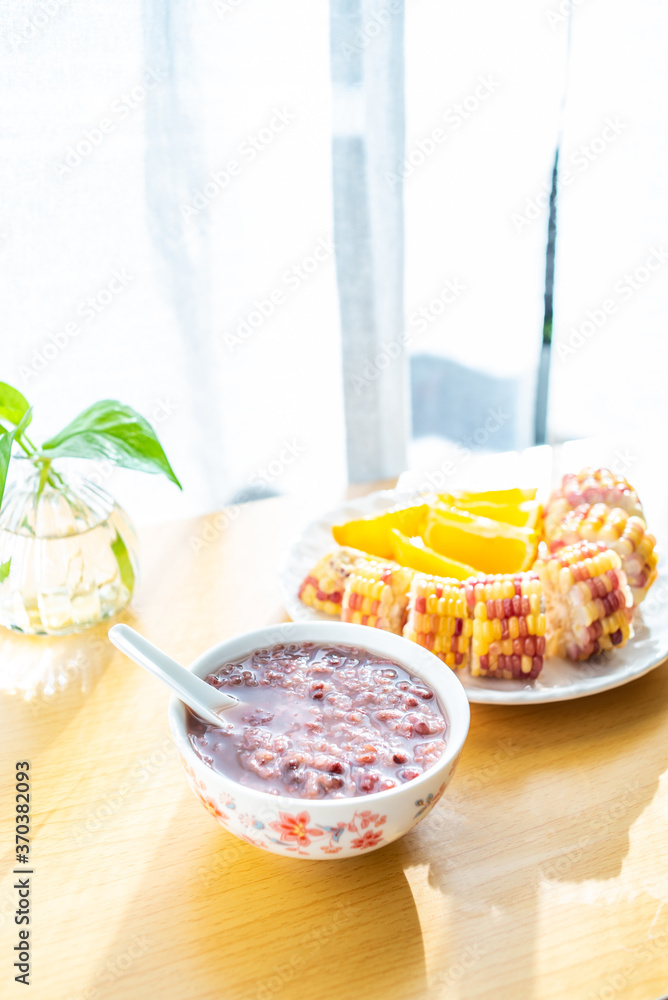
481, 695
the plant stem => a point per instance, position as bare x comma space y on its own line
47, 474
44, 476
19, 440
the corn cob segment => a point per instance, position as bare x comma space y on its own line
588, 487
376, 594
508, 626
627, 536
588, 600
323, 588
438, 618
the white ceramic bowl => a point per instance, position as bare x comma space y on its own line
326, 828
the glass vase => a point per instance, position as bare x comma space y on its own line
68, 554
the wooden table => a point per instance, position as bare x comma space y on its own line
542, 873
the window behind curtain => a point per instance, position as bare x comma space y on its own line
167, 180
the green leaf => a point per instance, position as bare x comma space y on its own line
13, 404
4, 570
124, 564
6, 442
115, 432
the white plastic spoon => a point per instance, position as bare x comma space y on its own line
201, 697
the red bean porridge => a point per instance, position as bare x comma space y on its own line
338, 721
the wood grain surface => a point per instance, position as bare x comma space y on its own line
541, 875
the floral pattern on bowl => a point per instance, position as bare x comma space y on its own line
296, 832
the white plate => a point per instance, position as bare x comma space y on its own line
559, 680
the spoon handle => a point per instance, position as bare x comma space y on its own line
201, 697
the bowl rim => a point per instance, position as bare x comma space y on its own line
416, 659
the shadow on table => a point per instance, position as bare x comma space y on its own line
363, 939
569, 815
255, 926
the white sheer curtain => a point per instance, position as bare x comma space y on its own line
610, 352
167, 236
169, 212
484, 89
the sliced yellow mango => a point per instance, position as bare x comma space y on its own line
511, 496
489, 546
523, 515
372, 534
413, 552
